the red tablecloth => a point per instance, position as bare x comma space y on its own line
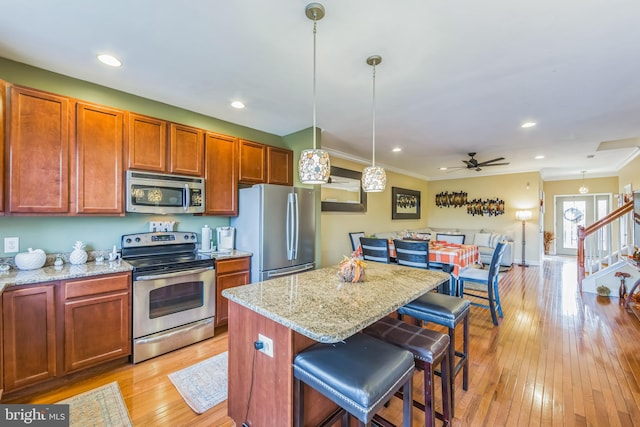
460, 256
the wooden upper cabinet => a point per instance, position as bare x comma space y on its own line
38, 151
99, 150
279, 166
186, 150
253, 162
146, 143
221, 174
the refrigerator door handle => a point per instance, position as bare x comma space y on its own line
296, 227
289, 226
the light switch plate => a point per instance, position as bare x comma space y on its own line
11, 245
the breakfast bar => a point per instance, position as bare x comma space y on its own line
295, 312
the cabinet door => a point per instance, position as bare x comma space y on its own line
146, 143
221, 175
97, 320
253, 162
229, 274
2, 138
279, 166
29, 336
38, 152
186, 150
99, 151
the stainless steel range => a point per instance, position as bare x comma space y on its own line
173, 292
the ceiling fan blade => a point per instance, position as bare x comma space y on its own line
493, 164
485, 163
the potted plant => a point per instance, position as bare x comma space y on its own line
548, 239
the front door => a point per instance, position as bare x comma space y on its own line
574, 211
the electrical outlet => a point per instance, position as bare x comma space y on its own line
11, 245
267, 345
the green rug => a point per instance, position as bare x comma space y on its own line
203, 385
102, 406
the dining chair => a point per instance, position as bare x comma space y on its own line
375, 249
412, 253
355, 239
450, 238
479, 282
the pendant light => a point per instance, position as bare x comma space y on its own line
583, 188
374, 178
314, 166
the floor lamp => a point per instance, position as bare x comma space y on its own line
523, 216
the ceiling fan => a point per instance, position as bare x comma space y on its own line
474, 164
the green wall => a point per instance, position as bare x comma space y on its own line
57, 234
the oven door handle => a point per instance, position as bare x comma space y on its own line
169, 275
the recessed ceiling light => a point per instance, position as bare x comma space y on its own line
109, 60
443, 169
397, 150
539, 157
528, 124
237, 104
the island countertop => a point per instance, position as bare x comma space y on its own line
318, 305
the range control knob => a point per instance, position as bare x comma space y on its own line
137, 240
128, 240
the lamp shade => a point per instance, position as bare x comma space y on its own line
374, 179
314, 166
523, 215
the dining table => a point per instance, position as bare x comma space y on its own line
459, 256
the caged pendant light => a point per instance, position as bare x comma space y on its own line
374, 178
314, 166
583, 188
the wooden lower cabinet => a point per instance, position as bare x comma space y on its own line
97, 320
52, 329
229, 274
29, 335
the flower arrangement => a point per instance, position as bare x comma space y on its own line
547, 239
352, 269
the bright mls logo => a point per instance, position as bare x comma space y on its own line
34, 415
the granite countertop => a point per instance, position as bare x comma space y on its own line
319, 305
229, 254
67, 271
50, 273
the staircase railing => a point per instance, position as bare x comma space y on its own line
596, 244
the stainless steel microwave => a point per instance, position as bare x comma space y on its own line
156, 193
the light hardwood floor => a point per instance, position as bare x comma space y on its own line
558, 358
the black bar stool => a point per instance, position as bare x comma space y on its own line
447, 311
429, 348
360, 375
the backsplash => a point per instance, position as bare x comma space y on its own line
56, 235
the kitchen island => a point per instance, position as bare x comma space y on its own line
295, 312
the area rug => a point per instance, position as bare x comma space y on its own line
204, 384
102, 406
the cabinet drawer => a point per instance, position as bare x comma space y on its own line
95, 285
231, 265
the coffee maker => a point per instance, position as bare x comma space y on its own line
226, 237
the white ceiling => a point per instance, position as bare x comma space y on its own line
457, 76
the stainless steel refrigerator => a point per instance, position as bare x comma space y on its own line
277, 224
